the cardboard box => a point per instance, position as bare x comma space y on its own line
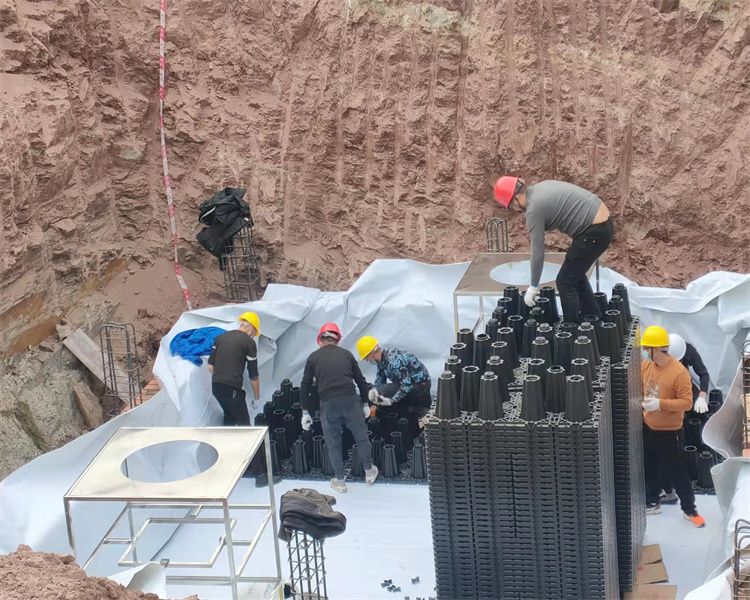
651, 570
652, 592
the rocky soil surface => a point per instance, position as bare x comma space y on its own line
361, 129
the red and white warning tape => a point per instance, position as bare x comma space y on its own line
167, 181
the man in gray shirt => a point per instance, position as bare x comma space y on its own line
557, 205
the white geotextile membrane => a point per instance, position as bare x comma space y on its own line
404, 304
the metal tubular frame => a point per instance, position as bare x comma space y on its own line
477, 282
171, 495
306, 566
120, 364
240, 266
497, 235
741, 561
745, 358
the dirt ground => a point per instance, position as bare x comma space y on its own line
44, 576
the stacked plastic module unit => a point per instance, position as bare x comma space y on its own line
523, 509
587, 532
627, 434
451, 507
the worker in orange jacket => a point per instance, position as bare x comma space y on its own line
668, 393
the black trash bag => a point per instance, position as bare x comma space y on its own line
223, 215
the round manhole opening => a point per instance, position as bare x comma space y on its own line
519, 272
162, 463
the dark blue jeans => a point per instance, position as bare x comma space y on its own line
336, 413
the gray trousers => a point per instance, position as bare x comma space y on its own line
334, 414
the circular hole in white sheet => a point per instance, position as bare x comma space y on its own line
164, 462
519, 273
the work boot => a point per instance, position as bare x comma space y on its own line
668, 497
371, 475
694, 518
339, 485
653, 508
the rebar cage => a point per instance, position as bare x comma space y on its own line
741, 561
497, 235
307, 566
120, 365
746, 397
240, 266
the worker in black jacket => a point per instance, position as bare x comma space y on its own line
335, 370
690, 359
232, 352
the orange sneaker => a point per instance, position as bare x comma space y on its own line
695, 519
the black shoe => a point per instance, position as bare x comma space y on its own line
669, 498
262, 480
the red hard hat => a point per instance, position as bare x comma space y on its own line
329, 328
505, 188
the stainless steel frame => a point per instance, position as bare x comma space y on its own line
103, 481
741, 561
477, 282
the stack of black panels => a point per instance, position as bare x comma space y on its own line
523, 509
627, 433
584, 462
451, 506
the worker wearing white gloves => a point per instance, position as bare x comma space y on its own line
532, 293
336, 371
579, 213
690, 359
667, 395
408, 393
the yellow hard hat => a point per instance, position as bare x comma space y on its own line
366, 345
252, 318
655, 337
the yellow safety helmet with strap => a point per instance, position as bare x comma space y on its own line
252, 318
365, 345
655, 337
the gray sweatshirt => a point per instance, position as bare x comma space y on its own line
556, 205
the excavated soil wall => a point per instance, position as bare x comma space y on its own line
361, 129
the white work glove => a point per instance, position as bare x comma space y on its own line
650, 404
255, 403
531, 294
306, 421
701, 406
383, 401
366, 410
373, 395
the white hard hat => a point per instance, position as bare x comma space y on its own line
677, 346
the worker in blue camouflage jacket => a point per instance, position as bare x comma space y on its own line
408, 393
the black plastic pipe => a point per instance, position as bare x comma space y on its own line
447, 405
554, 391
532, 399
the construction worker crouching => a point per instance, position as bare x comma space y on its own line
557, 205
667, 395
336, 371
408, 394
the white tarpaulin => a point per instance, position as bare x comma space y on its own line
402, 303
